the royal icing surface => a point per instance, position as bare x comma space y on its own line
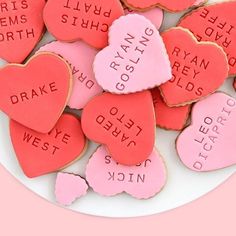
209, 143
89, 20
136, 58
80, 56
170, 118
21, 27
109, 178
35, 94
215, 23
69, 187
194, 71
40, 154
155, 15
125, 126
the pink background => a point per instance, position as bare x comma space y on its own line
24, 213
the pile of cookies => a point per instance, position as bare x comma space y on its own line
110, 61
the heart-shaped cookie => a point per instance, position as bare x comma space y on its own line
170, 118
124, 123
109, 178
155, 15
194, 70
209, 142
215, 23
39, 154
80, 56
35, 94
89, 20
21, 27
136, 58
69, 187
169, 5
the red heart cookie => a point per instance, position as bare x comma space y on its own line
194, 71
170, 5
39, 154
21, 27
170, 118
35, 94
124, 123
215, 23
70, 20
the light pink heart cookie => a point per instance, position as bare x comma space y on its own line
155, 15
80, 56
209, 142
69, 187
109, 178
136, 58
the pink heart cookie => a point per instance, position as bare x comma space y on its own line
209, 142
69, 187
136, 58
142, 181
155, 15
80, 56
